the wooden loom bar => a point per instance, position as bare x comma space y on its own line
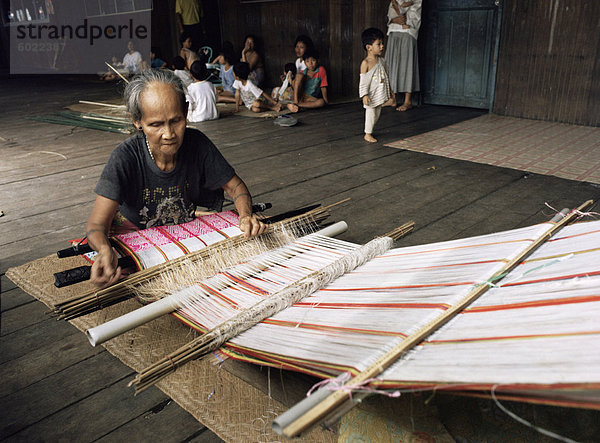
328, 405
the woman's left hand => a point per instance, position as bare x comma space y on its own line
251, 226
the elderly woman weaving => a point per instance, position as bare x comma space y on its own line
160, 175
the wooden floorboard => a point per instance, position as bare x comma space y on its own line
38, 400
165, 416
60, 388
96, 415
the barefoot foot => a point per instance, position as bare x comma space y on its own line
292, 107
404, 107
369, 138
390, 102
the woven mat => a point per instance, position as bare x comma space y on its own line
236, 411
561, 150
226, 109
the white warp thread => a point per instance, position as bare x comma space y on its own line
296, 292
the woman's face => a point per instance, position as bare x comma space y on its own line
249, 43
187, 43
300, 48
163, 118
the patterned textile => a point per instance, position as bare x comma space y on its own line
152, 246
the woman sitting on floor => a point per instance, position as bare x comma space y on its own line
251, 56
159, 175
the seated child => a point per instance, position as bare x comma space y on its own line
201, 95
374, 88
227, 95
310, 86
180, 71
226, 49
285, 92
155, 60
247, 92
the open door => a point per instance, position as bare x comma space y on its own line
460, 44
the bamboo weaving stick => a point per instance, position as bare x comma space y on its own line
110, 105
116, 72
337, 398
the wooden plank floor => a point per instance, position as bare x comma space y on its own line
55, 386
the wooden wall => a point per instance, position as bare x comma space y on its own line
334, 26
549, 61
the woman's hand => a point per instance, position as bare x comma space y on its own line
251, 226
105, 271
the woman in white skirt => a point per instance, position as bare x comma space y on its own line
404, 21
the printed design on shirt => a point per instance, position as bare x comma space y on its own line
165, 206
170, 211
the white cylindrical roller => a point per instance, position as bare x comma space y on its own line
334, 229
133, 319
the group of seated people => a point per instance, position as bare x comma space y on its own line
304, 83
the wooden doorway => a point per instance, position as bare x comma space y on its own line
460, 46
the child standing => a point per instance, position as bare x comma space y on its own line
374, 88
201, 95
310, 86
247, 92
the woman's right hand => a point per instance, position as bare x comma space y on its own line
105, 270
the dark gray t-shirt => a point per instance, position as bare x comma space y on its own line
150, 197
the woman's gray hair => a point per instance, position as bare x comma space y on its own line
140, 82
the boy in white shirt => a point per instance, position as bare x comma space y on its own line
201, 95
247, 92
180, 71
